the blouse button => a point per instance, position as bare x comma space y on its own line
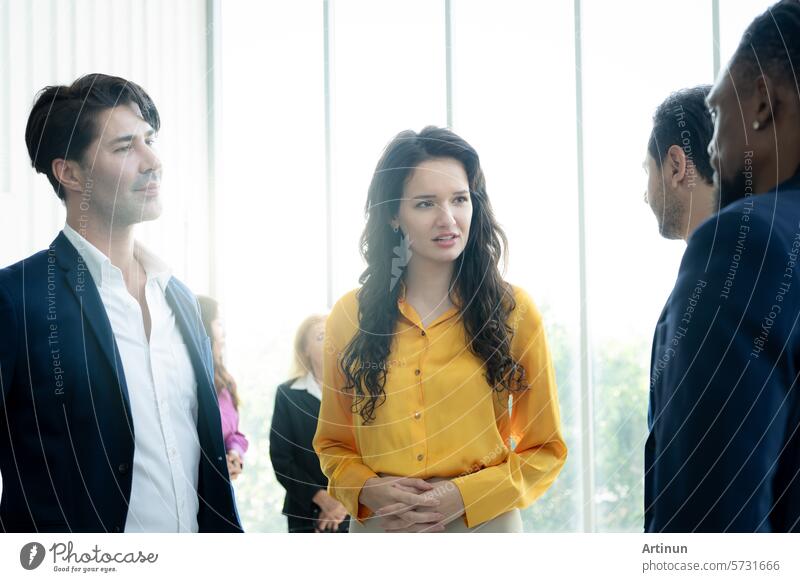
422, 332
417, 415
420, 457
417, 372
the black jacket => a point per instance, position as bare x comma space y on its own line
294, 422
66, 430
724, 447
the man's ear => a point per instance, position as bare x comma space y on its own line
68, 173
675, 166
766, 102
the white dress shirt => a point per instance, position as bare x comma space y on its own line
308, 383
162, 389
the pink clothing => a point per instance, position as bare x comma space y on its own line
234, 440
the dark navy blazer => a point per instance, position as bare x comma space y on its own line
723, 452
66, 431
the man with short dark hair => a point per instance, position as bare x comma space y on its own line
723, 452
108, 413
680, 188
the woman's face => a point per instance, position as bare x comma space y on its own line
315, 338
436, 210
217, 337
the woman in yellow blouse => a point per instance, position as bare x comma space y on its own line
440, 408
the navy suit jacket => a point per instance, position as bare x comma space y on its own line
723, 452
66, 431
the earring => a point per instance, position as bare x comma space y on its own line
395, 228
402, 255
756, 125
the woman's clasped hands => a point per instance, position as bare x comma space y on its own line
408, 504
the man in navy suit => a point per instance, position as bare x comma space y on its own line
723, 454
108, 413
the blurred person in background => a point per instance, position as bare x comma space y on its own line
235, 442
308, 507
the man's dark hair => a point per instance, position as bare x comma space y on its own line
683, 120
772, 43
62, 121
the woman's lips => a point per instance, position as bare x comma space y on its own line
446, 241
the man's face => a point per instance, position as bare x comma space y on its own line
120, 170
665, 203
730, 109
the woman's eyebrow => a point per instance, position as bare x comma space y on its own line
434, 195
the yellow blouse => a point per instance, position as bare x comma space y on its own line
440, 417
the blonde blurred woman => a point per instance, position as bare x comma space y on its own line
307, 506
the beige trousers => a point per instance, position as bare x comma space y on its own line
509, 522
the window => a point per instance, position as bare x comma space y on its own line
631, 269
517, 108
511, 91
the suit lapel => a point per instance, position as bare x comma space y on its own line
93, 312
309, 402
657, 350
206, 393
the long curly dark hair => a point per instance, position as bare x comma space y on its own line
485, 300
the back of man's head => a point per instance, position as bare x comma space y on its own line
683, 120
771, 43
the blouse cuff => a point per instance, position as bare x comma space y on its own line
486, 494
347, 486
